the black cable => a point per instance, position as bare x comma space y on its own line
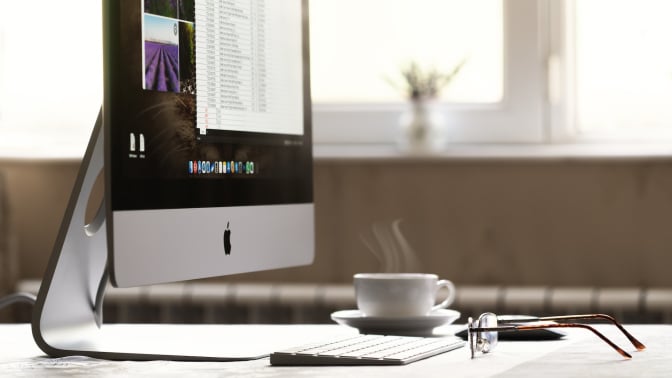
17, 297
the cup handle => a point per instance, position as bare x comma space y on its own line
451, 294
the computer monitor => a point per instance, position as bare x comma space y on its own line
208, 139
204, 139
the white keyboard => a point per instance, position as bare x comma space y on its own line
367, 350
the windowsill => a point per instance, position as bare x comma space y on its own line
533, 152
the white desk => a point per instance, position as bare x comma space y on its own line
580, 354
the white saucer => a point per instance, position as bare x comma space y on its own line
417, 325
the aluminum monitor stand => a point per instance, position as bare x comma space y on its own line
67, 319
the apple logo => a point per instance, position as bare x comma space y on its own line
227, 240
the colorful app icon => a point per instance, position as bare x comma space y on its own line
252, 168
132, 142
200, 167
191, 167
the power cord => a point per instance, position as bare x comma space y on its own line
17, 297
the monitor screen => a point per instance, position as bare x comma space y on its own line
207, 124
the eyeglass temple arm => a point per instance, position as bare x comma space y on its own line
609, 318
557, 325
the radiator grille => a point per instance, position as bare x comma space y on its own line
274, 303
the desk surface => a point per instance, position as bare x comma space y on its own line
579, 354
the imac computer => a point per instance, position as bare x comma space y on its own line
204, 140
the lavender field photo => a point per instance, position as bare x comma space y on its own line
162, 67
162, 59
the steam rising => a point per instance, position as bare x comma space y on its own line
391, 249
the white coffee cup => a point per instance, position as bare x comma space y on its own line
400, 294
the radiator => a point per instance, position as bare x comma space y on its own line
313, 303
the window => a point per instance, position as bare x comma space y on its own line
571, 71
537, 71
356, 45
359, 46
623, 74
2, 64
51, 76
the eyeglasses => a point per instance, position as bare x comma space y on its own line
483, 331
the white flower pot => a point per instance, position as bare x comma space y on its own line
422, 127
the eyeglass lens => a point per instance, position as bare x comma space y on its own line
486, 340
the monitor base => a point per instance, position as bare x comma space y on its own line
181, 342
